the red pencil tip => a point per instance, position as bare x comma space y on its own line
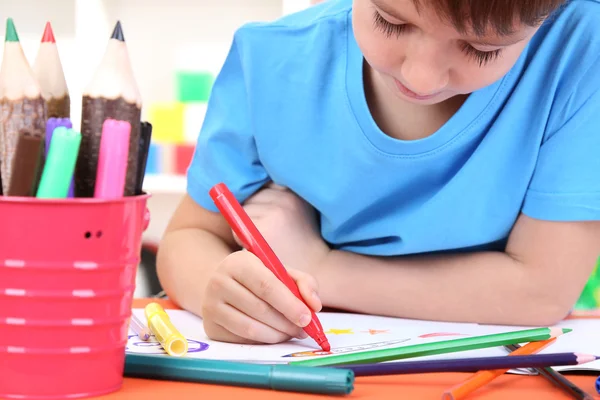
326, 346
48, 36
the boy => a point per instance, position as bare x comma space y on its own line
432, 159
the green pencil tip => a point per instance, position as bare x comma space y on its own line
567, 330
11, 31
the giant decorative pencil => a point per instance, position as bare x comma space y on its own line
22, 108
112, 94
49, 74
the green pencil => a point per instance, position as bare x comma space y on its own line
428, 349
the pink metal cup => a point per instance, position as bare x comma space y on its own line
67, 276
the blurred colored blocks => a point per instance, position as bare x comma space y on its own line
153, 165
183, 157
194, 86
167, 122
193, 118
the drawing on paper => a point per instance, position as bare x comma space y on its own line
347, 349
440, 334
334, 331
376, 331
152, 346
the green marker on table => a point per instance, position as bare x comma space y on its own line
60, 164
428, 349
277, 377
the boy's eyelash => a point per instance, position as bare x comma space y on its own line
387, 27
482, 57
389, 30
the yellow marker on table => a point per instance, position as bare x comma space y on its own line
167, 335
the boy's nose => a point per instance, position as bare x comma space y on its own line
424, 73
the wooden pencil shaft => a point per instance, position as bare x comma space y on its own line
59, 107
24, 115
95, 111
26, 164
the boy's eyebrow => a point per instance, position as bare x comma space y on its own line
387, 9
505, 41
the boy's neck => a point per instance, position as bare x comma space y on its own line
402, 119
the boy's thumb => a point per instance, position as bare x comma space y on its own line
308, 287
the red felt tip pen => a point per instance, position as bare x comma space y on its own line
254, 242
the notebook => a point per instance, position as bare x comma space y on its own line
355, 332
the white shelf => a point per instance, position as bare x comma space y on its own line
165, 184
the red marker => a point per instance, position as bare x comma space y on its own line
254, 242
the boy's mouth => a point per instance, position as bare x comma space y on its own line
409, 93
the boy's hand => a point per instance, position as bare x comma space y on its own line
244, 302
290, 226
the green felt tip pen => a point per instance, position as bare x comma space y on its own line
60, 164
434, 348
277, 377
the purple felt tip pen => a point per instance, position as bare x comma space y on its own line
139, 328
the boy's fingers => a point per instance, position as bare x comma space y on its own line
308, 289
239, 297
217, 332
248, 328
264, 284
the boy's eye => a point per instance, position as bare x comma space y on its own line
387, 27
389, 30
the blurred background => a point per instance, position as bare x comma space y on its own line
176, 49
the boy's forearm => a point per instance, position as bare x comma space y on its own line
185, 262
478, 287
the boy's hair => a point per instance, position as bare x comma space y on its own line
501, 15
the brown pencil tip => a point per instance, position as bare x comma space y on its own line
48, 36
118, 32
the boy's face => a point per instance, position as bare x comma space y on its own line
424, 60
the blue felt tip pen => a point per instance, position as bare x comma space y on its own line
598, 385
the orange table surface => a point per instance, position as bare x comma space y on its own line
419, 387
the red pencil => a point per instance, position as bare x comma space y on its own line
254, 242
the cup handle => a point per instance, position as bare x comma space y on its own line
146, 221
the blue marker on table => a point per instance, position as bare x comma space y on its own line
598, 385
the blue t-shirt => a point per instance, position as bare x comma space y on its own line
289, 106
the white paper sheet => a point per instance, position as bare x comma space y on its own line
354, 333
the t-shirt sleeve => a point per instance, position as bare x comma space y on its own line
566, 182
225, 149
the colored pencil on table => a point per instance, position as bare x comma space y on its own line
111, 94
557, 379
470, 364
139, 328
482, 378
49, 74
441, 347
21, 105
